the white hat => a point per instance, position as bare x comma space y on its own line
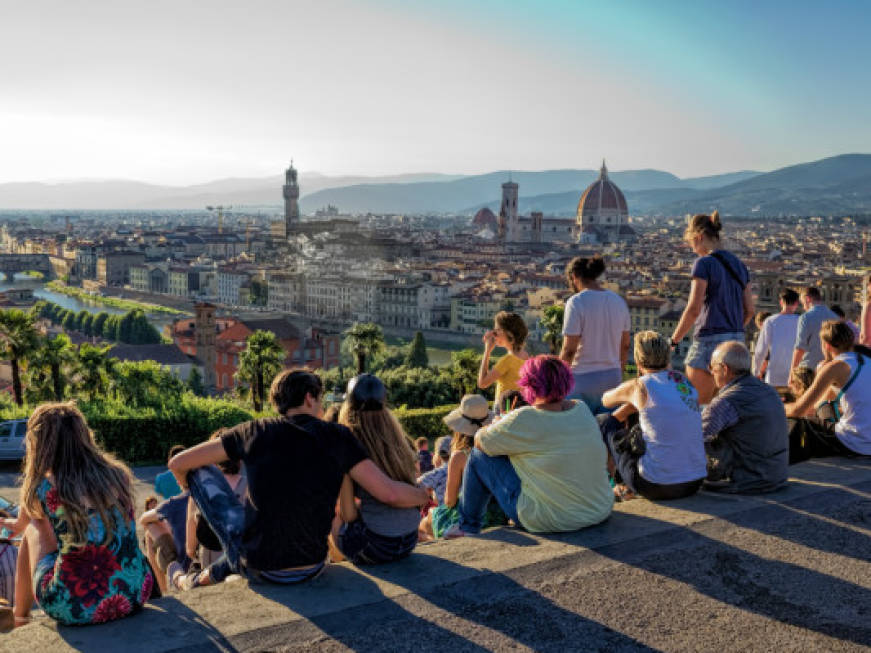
473, 413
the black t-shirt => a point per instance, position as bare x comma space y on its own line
295, 468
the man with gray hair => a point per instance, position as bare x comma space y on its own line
744, 426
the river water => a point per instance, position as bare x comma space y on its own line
159, 320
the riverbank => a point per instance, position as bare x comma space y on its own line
114, 302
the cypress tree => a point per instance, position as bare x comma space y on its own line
417, 356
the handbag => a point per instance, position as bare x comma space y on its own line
829, 411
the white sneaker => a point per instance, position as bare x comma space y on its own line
454, 532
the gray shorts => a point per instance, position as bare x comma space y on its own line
700, 352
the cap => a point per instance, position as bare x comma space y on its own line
366, 392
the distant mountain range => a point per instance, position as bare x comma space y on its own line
836, 185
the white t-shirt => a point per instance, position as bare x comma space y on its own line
600, 317
854, 427
777, 338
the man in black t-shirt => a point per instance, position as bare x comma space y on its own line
295, 465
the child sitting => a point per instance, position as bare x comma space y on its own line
800, 379
424, 457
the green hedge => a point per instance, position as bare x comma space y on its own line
426, 422
144, 436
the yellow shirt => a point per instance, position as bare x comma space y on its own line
509, 373
560, 459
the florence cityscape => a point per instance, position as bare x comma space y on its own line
196, 199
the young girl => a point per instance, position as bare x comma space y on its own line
472, 414
372, 532
79, 556
509, 331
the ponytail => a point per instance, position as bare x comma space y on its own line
707, 225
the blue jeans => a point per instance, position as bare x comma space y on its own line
700, 352
224, 514
590, 386
487, 476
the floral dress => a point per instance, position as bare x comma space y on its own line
94, 583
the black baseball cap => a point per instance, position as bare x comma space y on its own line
367, 392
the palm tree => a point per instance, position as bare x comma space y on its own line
18, 339
552, 323
364, 340
94, 369
263, 356
54, 360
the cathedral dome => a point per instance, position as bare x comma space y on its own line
485, 218
602, 194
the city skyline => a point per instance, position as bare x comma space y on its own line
176, 95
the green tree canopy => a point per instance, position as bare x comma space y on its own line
464, 370
363, 340
552, 324
262, 358
195, 382
50, 367
18, 340
94, 366
417, 356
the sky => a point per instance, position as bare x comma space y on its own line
184, 91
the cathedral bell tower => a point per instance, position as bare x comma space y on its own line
291, 200
508, 223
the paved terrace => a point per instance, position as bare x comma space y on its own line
786, 571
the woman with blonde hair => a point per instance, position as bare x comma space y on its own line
663, 456
373, 532
79, 555
720, 302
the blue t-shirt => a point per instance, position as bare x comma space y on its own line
723, 310
166, 485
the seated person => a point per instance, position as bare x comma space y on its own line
508, 401
544, 463
745, 430
8, 562
436, 479
164, 483
373, 532
663, 457
295, 465
800, 379
79, 557
423, 455
844, 377
473, 413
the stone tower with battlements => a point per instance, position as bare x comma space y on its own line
291, 200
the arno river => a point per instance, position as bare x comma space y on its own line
159, 320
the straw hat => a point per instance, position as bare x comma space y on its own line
473, 413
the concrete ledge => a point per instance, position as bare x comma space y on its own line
790, 568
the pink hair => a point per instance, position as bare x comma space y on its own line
545, 377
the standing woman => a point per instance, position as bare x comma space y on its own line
373, 532
720, 303
865, 337
595, 332
79, 557
509, 331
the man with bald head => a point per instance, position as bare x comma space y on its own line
746, 435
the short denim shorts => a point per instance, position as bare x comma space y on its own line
700, 352
363, 547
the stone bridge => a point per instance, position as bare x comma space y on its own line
12, 263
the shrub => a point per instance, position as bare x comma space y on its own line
425, 422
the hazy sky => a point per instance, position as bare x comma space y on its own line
184, 91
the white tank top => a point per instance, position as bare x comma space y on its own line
854, 427
671, 422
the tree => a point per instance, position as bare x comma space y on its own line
263, 356
146, 384
110, 328
98, 323
94, 369
81, 316
195, 382
552, 323
69, 322
464, 370
417, 356
18, 339
53, 362
364, 340
87, 324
